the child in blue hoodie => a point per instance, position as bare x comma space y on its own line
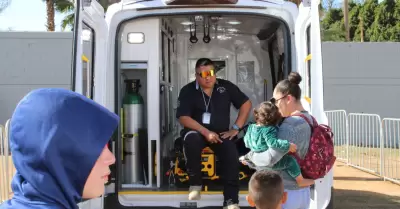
262, 136
58, 140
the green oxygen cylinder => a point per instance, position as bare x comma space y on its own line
133, 121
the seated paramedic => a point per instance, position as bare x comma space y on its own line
58, 141
204, 111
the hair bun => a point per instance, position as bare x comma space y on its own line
294, 77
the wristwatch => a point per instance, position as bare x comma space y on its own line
235, 127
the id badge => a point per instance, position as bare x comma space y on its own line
206, 118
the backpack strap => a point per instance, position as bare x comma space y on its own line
296, 155
282, 120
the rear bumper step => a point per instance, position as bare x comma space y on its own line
173, 193
175, 200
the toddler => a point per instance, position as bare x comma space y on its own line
262, 136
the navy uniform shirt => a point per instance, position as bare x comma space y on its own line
225, 93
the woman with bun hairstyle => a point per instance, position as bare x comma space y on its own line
287, 97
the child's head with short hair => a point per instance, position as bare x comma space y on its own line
267, 114
266, 190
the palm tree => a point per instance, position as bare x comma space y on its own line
63, 6
50, 15
66, 7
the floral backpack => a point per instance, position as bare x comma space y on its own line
320, 157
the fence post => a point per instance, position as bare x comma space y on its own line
381, 150
7, 154
390, 149
337, 120
347, 138
2, 167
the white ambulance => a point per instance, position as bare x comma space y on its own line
135, 58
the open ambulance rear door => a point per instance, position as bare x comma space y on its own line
90, 60
308, 44
89, 50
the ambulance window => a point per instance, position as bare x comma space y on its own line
87, 61
308, 62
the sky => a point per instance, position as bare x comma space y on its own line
27, 15
30, 15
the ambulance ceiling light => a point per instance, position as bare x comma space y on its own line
233, 30
223, 37
234, 22
186, 23
135, 38
217, 28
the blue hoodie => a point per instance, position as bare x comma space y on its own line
56, 136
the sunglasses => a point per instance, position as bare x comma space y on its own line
205, 74
274, 101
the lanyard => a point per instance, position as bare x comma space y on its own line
209, 100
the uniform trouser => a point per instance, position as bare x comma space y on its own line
227, 154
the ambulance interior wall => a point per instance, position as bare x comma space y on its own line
168, 96
247, 63
140, 74
144, 53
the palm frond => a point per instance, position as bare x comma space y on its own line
64, 6
67, 21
